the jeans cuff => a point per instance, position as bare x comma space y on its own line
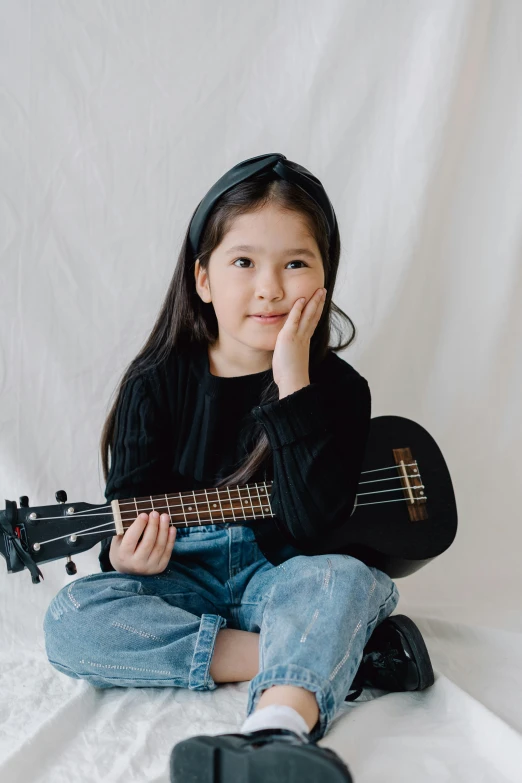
199, 675
290, 674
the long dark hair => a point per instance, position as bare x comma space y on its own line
184, 319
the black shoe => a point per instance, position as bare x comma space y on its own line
259, 756
394, 659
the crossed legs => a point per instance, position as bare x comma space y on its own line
236, 659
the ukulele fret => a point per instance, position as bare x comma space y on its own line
208, 504
260, 501
250, 498
220, 505
231, 504
196, 505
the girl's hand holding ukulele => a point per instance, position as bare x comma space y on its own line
151, 555
292, 349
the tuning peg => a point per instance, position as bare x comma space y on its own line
24, 501
70, 567
61, 496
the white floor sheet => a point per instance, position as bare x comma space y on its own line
466, 728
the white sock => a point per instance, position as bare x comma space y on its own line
276, 716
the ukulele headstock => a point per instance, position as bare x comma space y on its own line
38, 534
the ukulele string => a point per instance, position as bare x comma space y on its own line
194, 502
206, 503
203, 502
240, 520
195, 523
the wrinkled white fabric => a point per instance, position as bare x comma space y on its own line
115, 120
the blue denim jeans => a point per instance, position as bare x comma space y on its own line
314, 615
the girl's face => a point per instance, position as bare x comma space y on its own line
265, 263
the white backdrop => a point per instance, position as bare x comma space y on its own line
116, 118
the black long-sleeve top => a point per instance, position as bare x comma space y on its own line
179, 428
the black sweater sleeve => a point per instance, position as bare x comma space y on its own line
138, 456
318, 435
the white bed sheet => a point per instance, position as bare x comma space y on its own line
464, 729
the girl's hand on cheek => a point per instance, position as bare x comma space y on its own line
292, 349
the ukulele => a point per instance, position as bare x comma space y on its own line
404, 514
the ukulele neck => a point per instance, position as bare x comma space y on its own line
199, 507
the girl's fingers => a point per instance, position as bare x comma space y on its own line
146, 544
303, 314
168, 549
161, 540
318, 299
132, 534
295, 313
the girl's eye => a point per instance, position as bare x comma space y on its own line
248, 259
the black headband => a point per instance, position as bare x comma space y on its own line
246, 169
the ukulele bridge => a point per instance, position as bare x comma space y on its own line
411, 483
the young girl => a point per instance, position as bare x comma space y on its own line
221, 397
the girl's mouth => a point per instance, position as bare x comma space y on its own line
272, 319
